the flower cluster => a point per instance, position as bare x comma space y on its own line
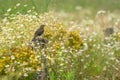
19, 59
16, 34
77, 49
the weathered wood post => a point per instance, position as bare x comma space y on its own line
44, 74
41, 43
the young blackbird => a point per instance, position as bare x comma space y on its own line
38, 32
109, 31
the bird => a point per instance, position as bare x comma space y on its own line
109, 31
38, 32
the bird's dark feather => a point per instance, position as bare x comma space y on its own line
38, 32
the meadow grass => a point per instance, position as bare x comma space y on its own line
77, 47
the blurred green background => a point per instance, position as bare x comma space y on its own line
58, 5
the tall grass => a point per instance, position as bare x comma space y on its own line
25, 5
66, 5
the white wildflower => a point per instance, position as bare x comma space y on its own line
101, 12
104, 68
25, 5
18, 4
85, 46
87, 55
25, 74
7, 66
12, 57
28, 11
9, 10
